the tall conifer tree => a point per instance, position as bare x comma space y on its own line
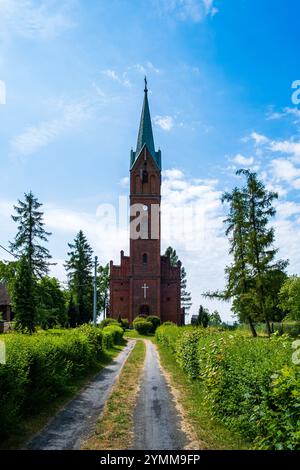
31, 233
185, 296
260, 238
24, 298
79, 267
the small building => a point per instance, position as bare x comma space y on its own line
6, 314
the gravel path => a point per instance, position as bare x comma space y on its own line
68, 429
157, 422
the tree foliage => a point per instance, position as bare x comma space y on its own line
186, 298
51, 303
254, 277
289, 297
203, 317
79, 268
30, 235
24, 299
103, 287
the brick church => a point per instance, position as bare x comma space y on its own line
145, 282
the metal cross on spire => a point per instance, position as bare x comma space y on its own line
146, 85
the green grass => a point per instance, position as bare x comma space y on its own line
208, 430
135, 335
29, 427
114, 428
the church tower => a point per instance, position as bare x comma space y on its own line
145, 283
145, 182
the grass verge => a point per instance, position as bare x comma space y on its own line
31, 426
207, 429
114, 428
133, 334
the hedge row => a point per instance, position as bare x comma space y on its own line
43, 366
250, 384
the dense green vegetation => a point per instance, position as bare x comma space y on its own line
255, 276
146, 325
251, 385
185, 295
45, 365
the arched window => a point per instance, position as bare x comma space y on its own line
145, 258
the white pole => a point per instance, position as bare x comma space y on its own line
95, 293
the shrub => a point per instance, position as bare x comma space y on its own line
167, 335
116, 332
143, 327
43, 366
108, 321
248, 383
186, 351
124, 323
155, 321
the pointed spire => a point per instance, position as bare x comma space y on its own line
145, 135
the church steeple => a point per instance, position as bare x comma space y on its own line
145, 135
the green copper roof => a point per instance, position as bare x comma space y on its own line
145, 135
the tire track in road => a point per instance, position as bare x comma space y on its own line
157, 422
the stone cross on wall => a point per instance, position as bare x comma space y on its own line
145, 287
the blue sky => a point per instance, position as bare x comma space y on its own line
220, 76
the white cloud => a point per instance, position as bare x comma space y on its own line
144, 68
187, 10
124, 182
259, 139
36, 20
286, 112
241, 160
122, 79
289, 147
36, 137
164, 122
284, 170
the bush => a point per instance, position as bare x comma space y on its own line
167, 335
143, 327
108, 321
124, 323
116, 332
248, 383
186, 351
155, 321
44, 365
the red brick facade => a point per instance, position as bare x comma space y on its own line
145, 282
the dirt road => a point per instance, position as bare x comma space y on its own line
69, 428
157, 421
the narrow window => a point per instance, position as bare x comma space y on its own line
145, 258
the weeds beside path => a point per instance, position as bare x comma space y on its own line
114, 429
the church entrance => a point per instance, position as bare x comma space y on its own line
144, 310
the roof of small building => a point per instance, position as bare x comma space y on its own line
4, 295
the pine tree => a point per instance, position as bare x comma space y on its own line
103, 287
186, 297
215, 319
203, 317
260, 238
30, 233
24, 299
171, 253
239, 283
79, 267
73, 314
